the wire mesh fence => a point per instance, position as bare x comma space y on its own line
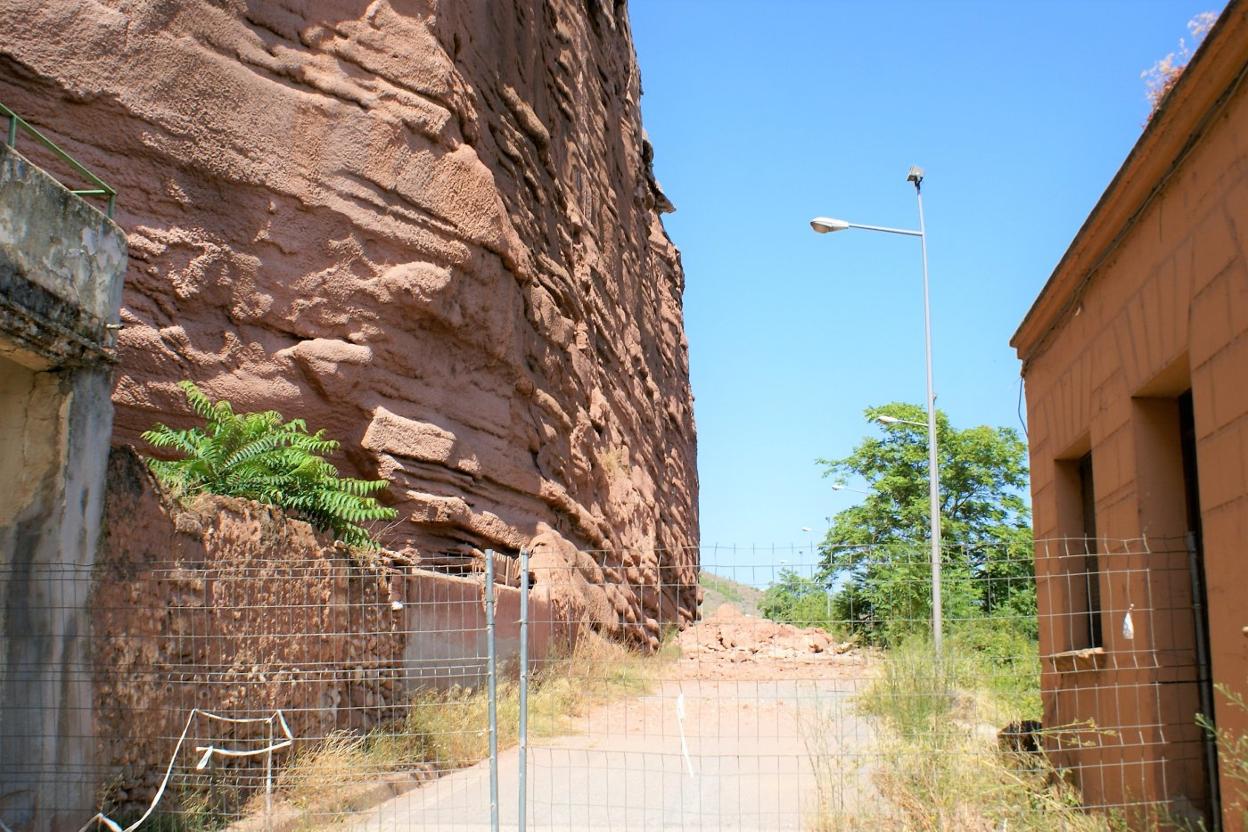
808, 694
763, 689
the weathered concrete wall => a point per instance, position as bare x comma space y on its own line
428, 226
1165, 310
231, 606
59, 243
61, 266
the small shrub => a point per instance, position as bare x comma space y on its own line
940, 766
1162, 76
915, 695
989, 672
183, 809
1004, 660
261, 457
1232, 755
800, 601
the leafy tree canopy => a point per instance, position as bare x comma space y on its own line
796, 599
260, 456
877, 552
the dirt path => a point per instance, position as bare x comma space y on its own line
726, 740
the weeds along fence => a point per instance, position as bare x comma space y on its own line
808, 696
169, 686
803, 692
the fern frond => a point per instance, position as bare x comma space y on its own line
165, 437
262, 444
261, 457
199, 402
361, 488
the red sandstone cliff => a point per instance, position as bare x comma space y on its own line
430, 227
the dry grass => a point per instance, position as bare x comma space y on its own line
935, 763
838, 779
1232, 757
968, 784
324, 782
449, 730
1162, 76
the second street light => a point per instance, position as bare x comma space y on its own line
893, 420
827, 225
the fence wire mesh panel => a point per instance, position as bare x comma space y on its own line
805, 693
703, 723
752, 689
272, 694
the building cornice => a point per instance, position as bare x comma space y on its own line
1207, 84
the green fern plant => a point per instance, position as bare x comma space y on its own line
262, 457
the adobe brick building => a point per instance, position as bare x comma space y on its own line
1135, 359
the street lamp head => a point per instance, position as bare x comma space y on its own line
916, 176
826, 225
838, 486
887, 420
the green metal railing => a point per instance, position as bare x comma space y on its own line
101, 188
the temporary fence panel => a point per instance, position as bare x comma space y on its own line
282, 694
805, 692
720, 688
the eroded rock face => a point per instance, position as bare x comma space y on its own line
429, 227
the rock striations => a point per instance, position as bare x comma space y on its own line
429, 226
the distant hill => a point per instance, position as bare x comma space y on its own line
718, 590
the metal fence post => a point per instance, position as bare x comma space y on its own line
524, 685
492, 667
268, 778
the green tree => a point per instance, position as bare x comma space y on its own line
261, 457
878, 552
798, 600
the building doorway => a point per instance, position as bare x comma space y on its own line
1200, 619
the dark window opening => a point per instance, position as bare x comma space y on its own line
1191, 488
1092, 572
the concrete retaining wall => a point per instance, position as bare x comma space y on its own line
61, 266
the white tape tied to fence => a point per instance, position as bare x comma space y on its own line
680, 723
206, 753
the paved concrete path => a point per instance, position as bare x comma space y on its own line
759, 749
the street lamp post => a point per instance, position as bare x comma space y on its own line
825, 225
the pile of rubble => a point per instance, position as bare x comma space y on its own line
737, 637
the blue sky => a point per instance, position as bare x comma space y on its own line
764, 115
